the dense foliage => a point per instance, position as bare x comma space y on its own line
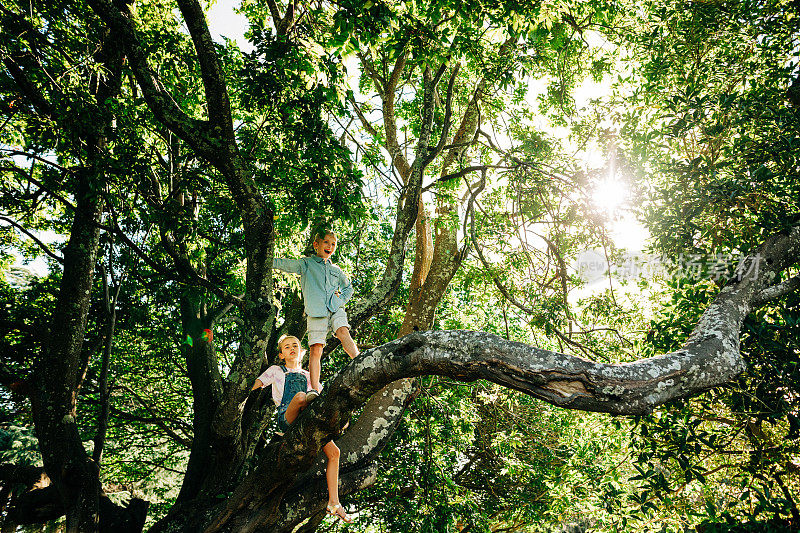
693, 109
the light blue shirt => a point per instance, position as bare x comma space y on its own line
325, 287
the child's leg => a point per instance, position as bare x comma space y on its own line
332, 477
317, 331
343, 334
314, 358
297, 404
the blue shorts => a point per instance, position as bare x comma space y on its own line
283, 425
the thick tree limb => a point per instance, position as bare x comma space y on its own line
29, 476
217, 101
185, 267
709, 358
36, 157
34, 95
213, 140
407, 208
463, 172
35, 507
43, 505
136, 249
437, 263
448, 111
273, 10
364, 121
776, 291
387, 93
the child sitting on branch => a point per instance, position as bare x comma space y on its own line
290, 390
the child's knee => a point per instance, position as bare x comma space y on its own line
342, 332
333, 451
300, 399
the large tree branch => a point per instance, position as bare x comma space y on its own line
709, 358
218, 146
34, 95
776, 291
30, 476
448, 111
42, 246
136, 249
375, 425
214, 141
273, 10
158, 99
191, 275
389, 120
364, 121
219, 106
29, 178
43, 505
408, 206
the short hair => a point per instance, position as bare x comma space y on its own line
321, 232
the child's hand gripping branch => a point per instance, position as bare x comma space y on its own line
326, 290
291, 393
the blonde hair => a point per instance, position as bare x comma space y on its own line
287, 336
323, 231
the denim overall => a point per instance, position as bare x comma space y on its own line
294, 382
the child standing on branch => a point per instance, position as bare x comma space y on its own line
326, 290
290, 392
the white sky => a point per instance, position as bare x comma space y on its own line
222, 21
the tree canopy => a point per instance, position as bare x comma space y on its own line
524, 369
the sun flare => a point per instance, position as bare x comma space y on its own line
609, 194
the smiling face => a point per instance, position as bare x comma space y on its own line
325, 246
290, 351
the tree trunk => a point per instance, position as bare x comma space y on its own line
56, 374
204, 377
438, 261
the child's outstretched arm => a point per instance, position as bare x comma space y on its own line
293, 266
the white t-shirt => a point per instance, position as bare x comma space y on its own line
274, 376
